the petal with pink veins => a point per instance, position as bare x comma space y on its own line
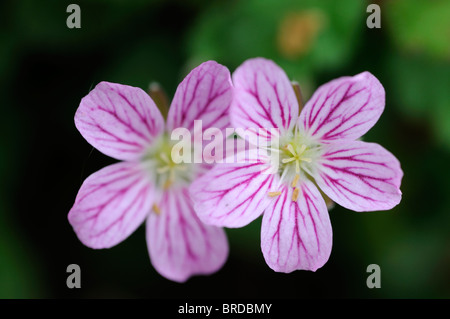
179, 244
359, 176
345, 108
204, 94
263, 98
297, 234
233, 195
111, 204
120, 121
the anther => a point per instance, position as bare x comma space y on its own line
163, 169
294, 182
291, 149
165, 158
295, 194
287, 160
274, 194
302, 149
156, 209
168, 183
181, 167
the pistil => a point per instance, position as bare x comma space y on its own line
296, 156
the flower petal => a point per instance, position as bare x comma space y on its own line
345, 108
111, 204
120, 121
297, 234
263, 97
359, 176
233, 195
180, 245
204, 94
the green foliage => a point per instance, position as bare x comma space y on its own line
420, 26
319, 35
420, 87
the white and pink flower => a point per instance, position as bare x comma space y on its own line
123, 122
317, 149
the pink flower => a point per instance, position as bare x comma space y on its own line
316, 149
123, 122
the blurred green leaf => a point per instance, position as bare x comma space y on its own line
420, 26
303, 37
411, 262
420, 87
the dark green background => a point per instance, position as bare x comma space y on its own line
46, 68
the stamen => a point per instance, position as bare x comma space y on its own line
287, 160
306, 159
168, 183
161, 170
164, 157
297, 166
156, 209
291, 149
302, 149
295, 194
294, 182
274, 194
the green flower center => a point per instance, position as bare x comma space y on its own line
295, 155
164, 159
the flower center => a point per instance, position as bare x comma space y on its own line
296, 154
169, 168
164, 159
